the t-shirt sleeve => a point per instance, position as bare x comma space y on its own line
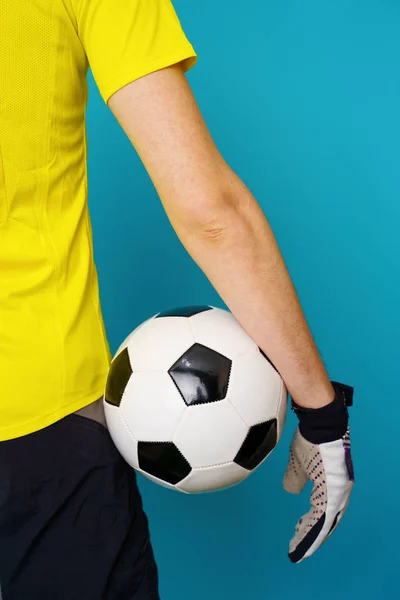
127, 39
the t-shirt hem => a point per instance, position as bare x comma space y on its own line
185, 55
43, 421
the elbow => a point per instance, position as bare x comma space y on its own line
214, 231
215, 218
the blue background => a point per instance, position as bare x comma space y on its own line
303, 100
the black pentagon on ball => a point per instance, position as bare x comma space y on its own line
118, 377
201, 375
259, 442
184, 311
164, 461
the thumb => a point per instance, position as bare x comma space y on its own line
295, 477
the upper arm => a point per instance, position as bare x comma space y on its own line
125, 40
138, 53
161, 118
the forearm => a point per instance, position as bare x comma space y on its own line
239, 255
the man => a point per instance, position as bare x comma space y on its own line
71, 518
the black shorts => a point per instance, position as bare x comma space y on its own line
72, 526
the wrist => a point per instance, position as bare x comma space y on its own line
329, 423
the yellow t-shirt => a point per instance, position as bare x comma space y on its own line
54, 355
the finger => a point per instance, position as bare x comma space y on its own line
311, 532
307, 535
338, 518
295, 477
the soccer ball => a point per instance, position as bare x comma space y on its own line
191, 402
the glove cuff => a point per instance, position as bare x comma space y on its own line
329, 423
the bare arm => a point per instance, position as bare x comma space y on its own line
221, 225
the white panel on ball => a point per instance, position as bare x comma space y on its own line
213, 478
152, 406
121, 435
218, 329
255, 388
159, 343
128, 339
210, 434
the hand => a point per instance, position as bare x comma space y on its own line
320, 452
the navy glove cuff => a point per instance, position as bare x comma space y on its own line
329, 423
